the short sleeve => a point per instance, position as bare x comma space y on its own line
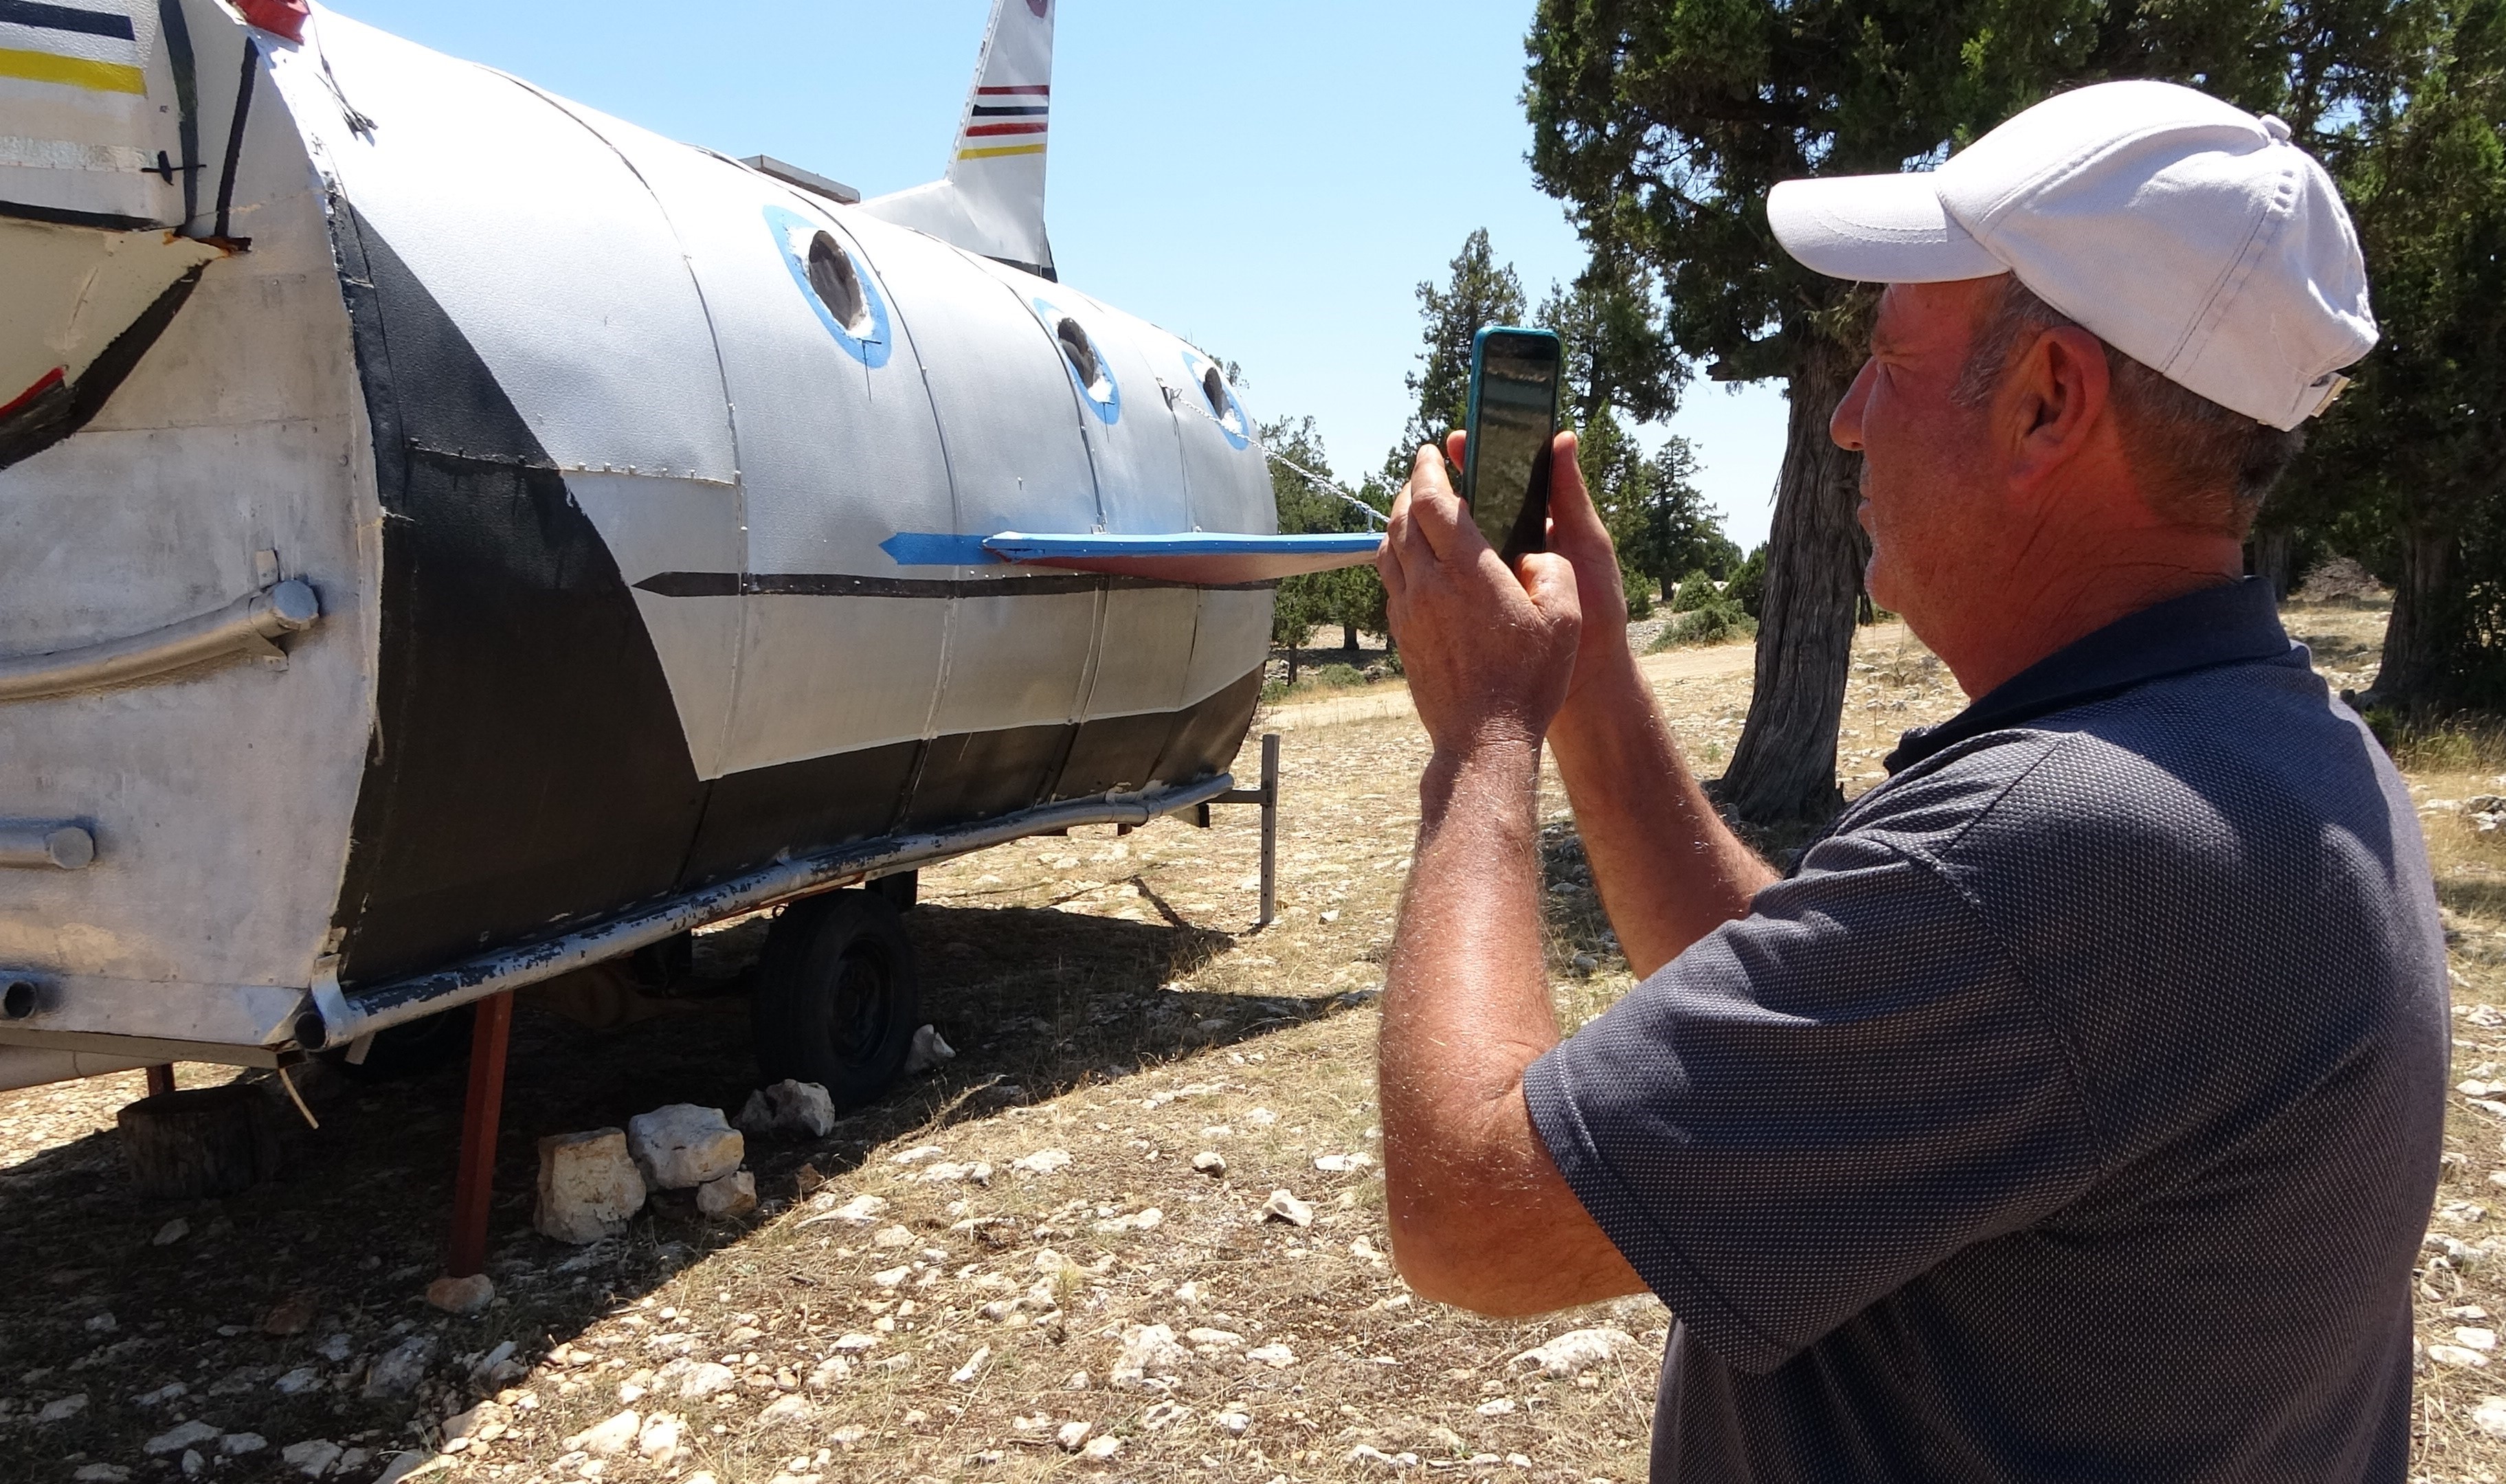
1815, 1104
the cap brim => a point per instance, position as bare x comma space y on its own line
1876, 229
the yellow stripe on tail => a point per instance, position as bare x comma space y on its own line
72, 72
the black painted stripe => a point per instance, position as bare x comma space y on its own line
63, 217
62, 18
835, 584
234, 135
186, 100
996, 111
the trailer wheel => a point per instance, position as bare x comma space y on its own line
838, 999
409, 1050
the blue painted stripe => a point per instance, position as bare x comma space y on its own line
915, 549
1019, 545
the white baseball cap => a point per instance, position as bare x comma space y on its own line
2184, 232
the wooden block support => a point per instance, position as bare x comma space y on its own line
199, 1145
482, 1110
161, 1080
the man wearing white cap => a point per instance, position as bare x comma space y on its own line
2072, 1109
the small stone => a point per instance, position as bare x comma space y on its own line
1163, 1414
1077, 1382
399, 1369
296, 1382
928, 1051
290, 1316
2489, 1416
608, 1439
311, 1458
176, 1439
800, 1109
2458, 1356
1502, 1406
892, 1239
462, 1296
2475, 1339
1138, 1220
171, 1232
236, 1444
785, 1409
659, 1442
1100, 1449
405, 1464
1365, 1452
1148, 1349
733, 1194
102, 1323
1073, 1435
1222, 1339
102, 1473
64, 1408
1277, 1356
589, 1186
1233, 1423
974, 1365
681, 1146
706, 1380
194, 1465
1343, 1164
1043, 1162
1283, 1207
1210, 1162
860, 1211
163, 1395
1577, 1351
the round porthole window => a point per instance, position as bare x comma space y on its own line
1214, 387
1081, 354
839, 285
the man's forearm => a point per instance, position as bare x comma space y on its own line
1669, 870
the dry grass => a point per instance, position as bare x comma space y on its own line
1110, 1002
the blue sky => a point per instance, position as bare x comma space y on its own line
1271, 181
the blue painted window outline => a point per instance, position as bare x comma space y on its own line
785, 225
1197, 367
1108, 408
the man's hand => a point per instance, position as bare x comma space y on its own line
1577, 534
1489, 652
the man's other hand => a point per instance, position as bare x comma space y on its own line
1489, 652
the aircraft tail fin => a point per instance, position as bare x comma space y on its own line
992, 200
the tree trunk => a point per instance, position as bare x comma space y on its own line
1784, 769
2418, 642
1348, 638
2274, 553
202, 1144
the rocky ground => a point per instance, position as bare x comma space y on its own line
1064, 1253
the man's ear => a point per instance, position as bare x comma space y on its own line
2058, 400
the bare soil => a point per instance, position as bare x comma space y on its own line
1111, 1002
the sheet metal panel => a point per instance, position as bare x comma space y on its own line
544, 249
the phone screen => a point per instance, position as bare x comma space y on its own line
1514, 420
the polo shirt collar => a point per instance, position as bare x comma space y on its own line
2227, 624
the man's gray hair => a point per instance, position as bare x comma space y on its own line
2203, 465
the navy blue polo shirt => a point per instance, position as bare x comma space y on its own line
2074, 1111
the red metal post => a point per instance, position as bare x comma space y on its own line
482, 1107
161, 1080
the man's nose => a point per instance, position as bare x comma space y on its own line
1845, 425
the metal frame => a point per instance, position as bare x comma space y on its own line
340, 1016
1268, 796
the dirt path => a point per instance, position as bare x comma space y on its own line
1391, 699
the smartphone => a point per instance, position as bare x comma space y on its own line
1512, 426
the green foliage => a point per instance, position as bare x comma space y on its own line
1696, 591
1338, 675
1715, 622
1353, 596
1477, 292
1747, 586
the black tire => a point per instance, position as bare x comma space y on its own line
838, 999
409, 1050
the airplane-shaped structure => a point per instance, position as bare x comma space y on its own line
449, 536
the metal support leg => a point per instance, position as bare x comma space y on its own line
161, 1080
1270, 828
481, 1108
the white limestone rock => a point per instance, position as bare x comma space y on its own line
681, 1146
1284, 1207
1148, 1349
1577, 1351
803, 1109
589, 1186
399, 1369
927, 1051
734, 1194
